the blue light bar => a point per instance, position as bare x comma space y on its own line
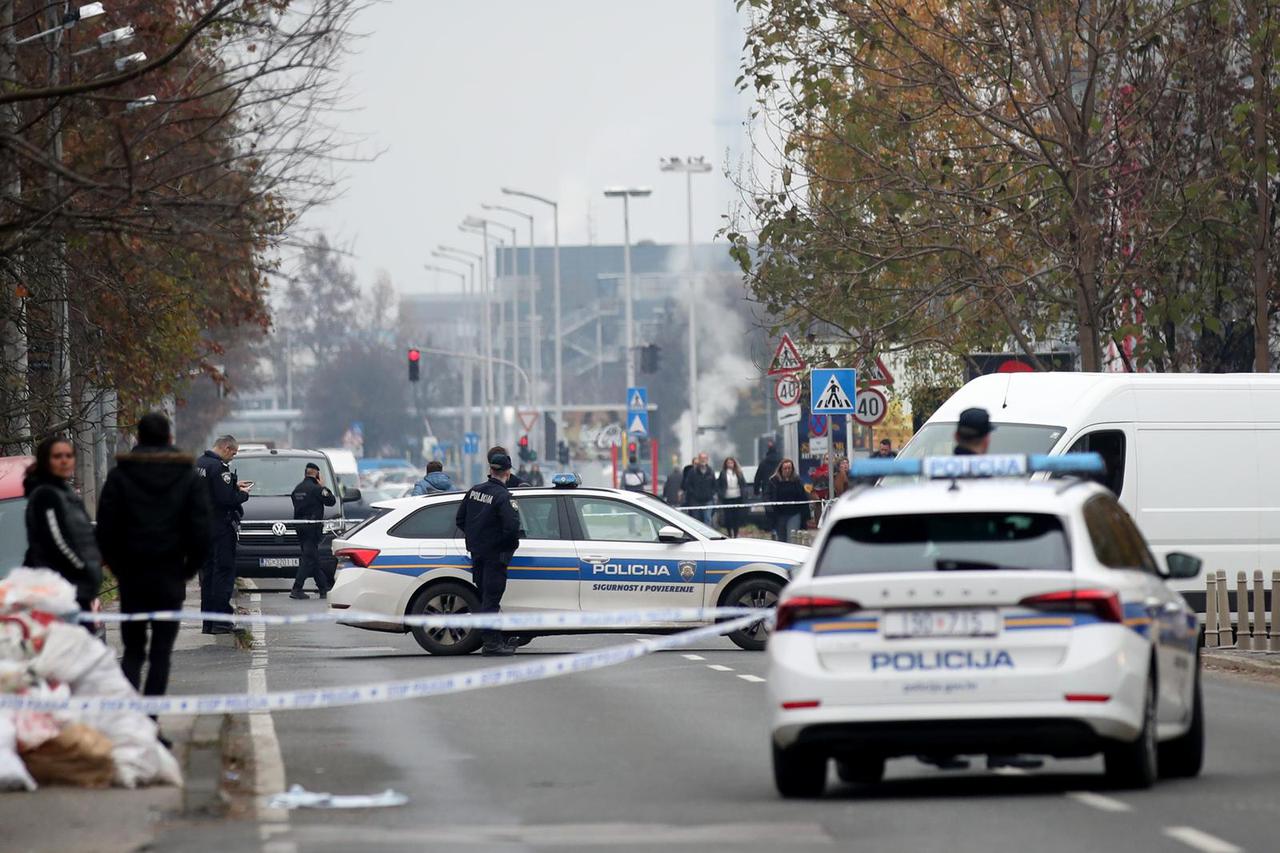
567, 480
975, 467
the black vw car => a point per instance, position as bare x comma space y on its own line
268, 537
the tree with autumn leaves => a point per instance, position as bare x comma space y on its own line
144, 204
945, 177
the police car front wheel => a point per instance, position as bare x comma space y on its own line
756, 593
446, 599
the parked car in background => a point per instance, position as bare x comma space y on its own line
268, 543
13, 508
346, 468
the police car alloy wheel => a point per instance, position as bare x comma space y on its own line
445, 599
758, 593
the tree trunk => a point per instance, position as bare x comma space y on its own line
1258, 54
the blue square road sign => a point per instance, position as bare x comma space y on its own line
833, 390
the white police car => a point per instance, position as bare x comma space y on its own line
584, 549
955, 616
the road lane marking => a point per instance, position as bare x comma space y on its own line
1098, 801
752, 678
268, 760
693, 657
719, 667
1202, 841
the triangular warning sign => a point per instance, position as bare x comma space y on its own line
833, 396
637, 403
786, 358
637, 426
876, 373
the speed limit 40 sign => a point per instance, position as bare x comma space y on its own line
787, 390
870, 407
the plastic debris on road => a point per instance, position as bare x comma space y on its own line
298, 797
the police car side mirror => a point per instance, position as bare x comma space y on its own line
672, 534
349, 494
1182, 566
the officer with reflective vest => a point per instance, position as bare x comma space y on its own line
491, 523
226, 496
310, 497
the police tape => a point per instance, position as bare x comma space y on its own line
757, 503
496, 621
386, 691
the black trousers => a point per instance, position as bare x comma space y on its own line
309, 562
141, 595
489, 573
218, 575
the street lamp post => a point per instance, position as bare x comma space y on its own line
690, 166
486, 342
466, 381
487, 284
626, 194
512, 270
559, 348
530, 268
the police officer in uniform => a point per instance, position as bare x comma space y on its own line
226, 496
491, 524
973, 433
310, 497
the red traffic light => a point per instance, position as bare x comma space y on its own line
414, 355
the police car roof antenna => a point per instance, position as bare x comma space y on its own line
955, 485
1004, 404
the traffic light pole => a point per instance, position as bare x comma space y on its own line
492, 360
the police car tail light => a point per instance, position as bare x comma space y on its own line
362, 557
1102, 603
806, 607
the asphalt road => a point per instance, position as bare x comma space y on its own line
672, 751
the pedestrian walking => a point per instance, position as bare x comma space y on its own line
671, 488
699, 488
153, 529
634, 479
310, 497
731, 489
786, 486
59, 533
768, 465
514, 481
535, 476
226, 497
973, 433
488, 519
434, 481
886, 450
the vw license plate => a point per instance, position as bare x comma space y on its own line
941, 623
278, 562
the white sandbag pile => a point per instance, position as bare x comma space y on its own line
41, 654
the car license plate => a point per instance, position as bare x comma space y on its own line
941, 623
278, 562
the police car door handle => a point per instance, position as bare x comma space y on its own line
590, 558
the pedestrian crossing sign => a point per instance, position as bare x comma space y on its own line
638, 423
832, 390
638, 399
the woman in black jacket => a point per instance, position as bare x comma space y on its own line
731, 488
786, 485
59, 533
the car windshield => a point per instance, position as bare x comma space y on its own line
687, 521
946, 542
275, 476
938, 439
13, 534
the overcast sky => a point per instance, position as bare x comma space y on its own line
558, 97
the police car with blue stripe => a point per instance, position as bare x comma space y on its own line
969, 611
583, 549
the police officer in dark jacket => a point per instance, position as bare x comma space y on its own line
218, 576
514, 481
153, 528
488, 519
310, 497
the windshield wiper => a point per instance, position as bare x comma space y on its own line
966, 566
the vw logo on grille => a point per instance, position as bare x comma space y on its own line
278, 528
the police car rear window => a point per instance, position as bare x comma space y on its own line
946, 542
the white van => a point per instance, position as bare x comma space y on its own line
345, 467
1194, 458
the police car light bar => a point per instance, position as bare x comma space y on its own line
567, 480
974, 467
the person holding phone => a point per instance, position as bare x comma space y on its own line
226, 497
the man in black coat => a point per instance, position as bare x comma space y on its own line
765, 469
699, 488
218, 575
310, 497
153, 530
491, 524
